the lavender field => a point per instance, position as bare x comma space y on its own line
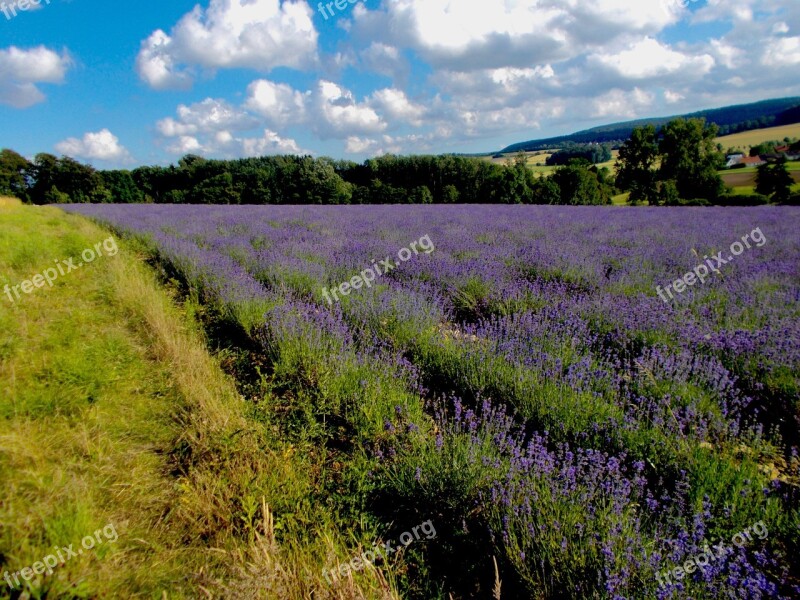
519, 382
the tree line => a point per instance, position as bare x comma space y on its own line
594, 153
679, 163
303, 180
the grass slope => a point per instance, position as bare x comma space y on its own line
113, 413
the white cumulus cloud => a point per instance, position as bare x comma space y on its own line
783, 52
206, 116
622, 104
650, 58
270, 143
466, 35
224, 144
22, 70
329, 110
254, 34
100, 145
340, 114
278, 103
395, 105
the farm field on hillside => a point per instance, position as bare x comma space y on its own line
536, 161
748, 139
747, 177
520, 378
534, 158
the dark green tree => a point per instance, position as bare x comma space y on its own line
122, 187
450, 194
667, 193
690, 156
15, 171
594, 153
636, 165
512, 184
54, 196
214, 190
421, 195
773, 179
580, 185
45, 175
764, 148
81, 183
545, 191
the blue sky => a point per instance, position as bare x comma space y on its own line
122, 84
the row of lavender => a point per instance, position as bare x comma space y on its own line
596, 435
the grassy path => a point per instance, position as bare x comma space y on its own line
116, 424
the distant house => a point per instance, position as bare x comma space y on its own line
752, 161
786, 152
733, 160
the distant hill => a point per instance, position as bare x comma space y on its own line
730, 119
